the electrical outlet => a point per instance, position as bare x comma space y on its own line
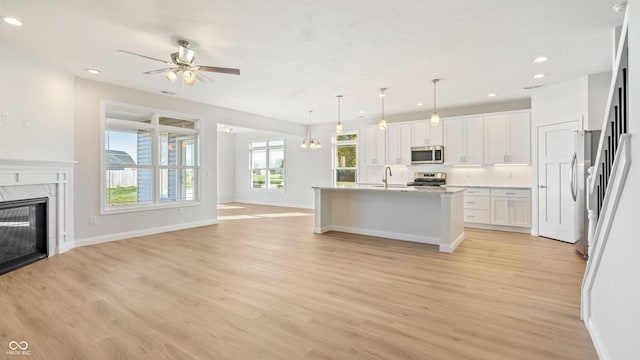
5, 117
180, 211
93, 220
26, 122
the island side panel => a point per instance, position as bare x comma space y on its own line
452, 221
322, 214
391, 214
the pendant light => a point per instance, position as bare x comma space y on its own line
339, 124
309, 142
382, 123
435, 118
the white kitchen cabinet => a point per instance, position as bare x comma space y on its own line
374, 143
463, 141
511, 207
399, 144
507, 138
423, 133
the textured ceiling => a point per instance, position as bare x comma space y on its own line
298, 55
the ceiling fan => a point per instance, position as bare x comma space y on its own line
183, 61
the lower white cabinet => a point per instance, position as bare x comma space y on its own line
511, 207
477, 206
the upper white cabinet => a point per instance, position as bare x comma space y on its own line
374, 146
399, 144
463, 141
507, 138
423, 133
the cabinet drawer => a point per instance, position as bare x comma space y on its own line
476, 216
511, 192
477, 191
477, 202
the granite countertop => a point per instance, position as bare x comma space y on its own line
489, 186
395, 188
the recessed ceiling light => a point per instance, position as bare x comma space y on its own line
13, 21
419, 104
538, 76
362, 111
493, 94
93, 71
540, 59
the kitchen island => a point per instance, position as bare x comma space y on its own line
420, 214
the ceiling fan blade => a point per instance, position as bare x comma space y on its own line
158, 71
202, 77
145, 56
219, 69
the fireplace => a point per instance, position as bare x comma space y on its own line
23, 232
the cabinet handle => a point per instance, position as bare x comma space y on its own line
470, 216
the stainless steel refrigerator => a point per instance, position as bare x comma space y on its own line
583, 158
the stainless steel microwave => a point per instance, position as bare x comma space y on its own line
427, 155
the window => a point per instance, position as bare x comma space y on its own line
150, 159
267, 164
345, 159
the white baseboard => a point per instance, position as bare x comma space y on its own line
596, 338
450, 248
275, 203
383, 234
143, 232
498, 228
66, 247
225, 201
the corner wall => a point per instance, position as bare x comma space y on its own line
226, 173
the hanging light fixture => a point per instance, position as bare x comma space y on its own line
339, 124
382, 123
435, 118
309, 142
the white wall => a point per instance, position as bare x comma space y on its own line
304, 168
616, 291
88, 96
226, 167
44, 94
598, 94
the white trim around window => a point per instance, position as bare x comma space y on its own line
163, 162
268, 157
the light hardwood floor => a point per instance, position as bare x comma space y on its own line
268, 288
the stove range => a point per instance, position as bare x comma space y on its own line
434, 179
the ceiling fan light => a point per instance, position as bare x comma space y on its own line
189, 77
171, 75
435, 119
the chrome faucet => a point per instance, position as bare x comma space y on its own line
384, 179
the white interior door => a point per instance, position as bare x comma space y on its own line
556, 145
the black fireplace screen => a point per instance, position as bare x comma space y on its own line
23, 232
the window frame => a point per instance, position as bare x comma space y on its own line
334, 154
155, 129
267, 149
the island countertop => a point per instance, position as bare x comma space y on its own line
427, 190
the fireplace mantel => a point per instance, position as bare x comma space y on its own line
20, 179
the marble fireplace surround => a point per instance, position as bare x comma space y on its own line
26, 179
